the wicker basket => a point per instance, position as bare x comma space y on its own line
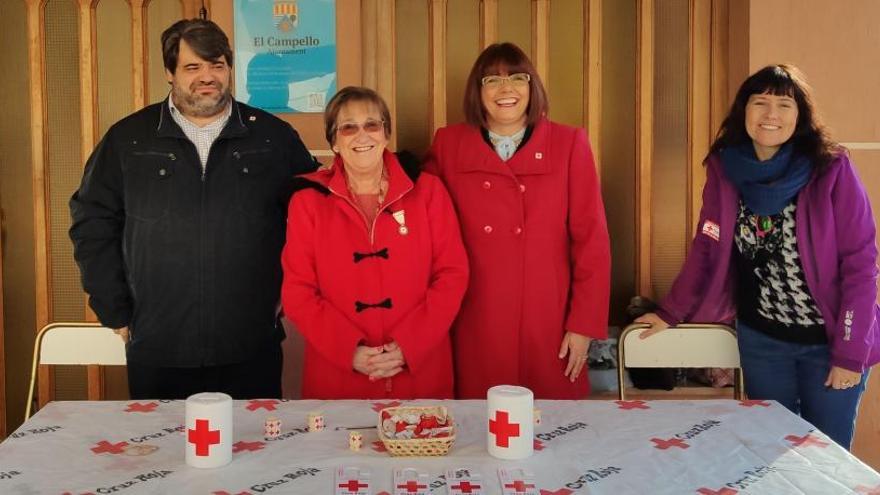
418, 447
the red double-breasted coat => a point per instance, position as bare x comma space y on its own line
535, 233
345, 286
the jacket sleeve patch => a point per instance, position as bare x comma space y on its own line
711, 229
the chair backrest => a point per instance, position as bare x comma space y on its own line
684, 346
74, 344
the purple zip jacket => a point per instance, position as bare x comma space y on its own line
836, 243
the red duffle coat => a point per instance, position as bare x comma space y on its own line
535, 232
333, 293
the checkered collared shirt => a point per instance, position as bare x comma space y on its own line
201, 137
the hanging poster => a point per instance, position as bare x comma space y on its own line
285, 54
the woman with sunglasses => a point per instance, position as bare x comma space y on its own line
534, 228
786, 245
374, 266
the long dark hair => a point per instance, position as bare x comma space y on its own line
810, 136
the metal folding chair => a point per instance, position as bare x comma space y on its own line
74, 344
684, 346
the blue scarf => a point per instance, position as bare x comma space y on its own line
766, 187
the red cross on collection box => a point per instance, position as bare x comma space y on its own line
203, 437
510, 413
503, 429
209, 430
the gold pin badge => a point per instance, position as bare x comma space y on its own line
400, 218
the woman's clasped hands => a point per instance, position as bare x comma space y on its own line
379, 362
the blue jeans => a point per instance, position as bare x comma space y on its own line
794, 375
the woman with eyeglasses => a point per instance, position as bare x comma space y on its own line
529, 202
786, 246
374, 266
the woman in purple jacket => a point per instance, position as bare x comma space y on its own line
785, 246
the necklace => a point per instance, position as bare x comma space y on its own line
380, 187
763, 224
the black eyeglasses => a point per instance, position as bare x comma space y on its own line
352, 128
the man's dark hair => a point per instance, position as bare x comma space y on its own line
206, 39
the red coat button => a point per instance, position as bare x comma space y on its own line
517, 230
487, 185
522, 188
487, 229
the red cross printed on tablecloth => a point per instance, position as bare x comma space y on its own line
539, 445
203, 437
353, 486
268, 404
631, 404
249, 446
412, 486
723, 491
806, 441
753, 403
672, 442
519, 486
111, 448
561, 491
378, 406
145, 407
465, 487
867, 490
502, 428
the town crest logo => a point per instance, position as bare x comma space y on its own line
286, 15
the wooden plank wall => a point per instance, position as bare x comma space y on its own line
611, 92
369, 50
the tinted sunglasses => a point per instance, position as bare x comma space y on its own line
352, 128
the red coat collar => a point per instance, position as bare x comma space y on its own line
333, 178
531, 159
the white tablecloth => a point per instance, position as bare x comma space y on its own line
722, 447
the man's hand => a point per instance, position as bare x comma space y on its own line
123, 333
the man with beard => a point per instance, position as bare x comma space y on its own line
178, 227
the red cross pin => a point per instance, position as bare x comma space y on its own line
503, 429
203, 437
